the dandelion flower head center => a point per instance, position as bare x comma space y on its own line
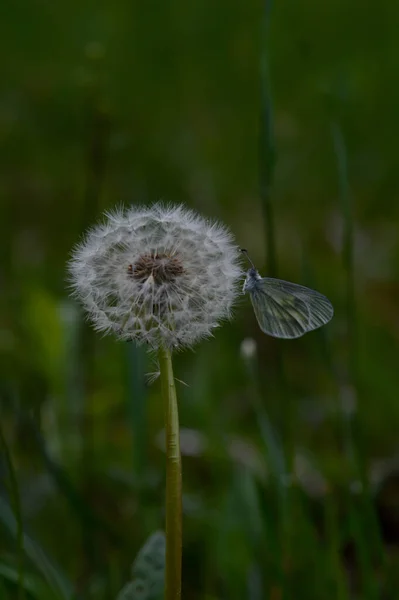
163, 268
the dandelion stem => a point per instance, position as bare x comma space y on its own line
173, 480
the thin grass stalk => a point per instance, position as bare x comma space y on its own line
338, 575
72, 496
173, 528
16, 504
60, 585
277, 464
3, 592
270, 439
348, 241
331, 520
365, 552
267, 163
267, 155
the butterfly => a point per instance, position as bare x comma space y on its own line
283, 309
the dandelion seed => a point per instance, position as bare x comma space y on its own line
150, 378
162, 275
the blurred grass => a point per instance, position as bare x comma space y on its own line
58, 583
267, 152
119, 103
16, 507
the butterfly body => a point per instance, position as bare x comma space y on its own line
251, 280
286, 310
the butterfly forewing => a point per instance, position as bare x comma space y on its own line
288, 310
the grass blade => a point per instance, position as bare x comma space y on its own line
34, 586
15, 501
267, 154
351, 433
56, 580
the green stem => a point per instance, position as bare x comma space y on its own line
173, 480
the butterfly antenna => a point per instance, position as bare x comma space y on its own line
245, 251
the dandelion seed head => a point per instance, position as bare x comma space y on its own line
159, 274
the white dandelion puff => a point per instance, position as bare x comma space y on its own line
160, 274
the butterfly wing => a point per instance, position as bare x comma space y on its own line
287, 310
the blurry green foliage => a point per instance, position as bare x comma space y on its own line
107, 103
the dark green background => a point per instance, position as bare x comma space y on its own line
103, 104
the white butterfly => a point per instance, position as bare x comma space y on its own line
284, 309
